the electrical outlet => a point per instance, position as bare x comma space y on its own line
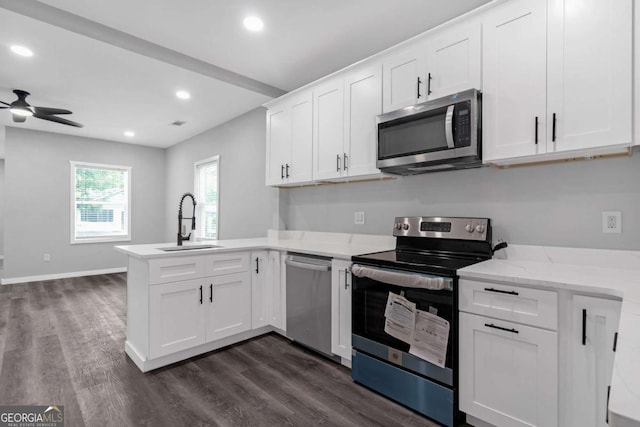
358, 218
46, 257
612, 222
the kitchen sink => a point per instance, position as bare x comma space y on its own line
188, 248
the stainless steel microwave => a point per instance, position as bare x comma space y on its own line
437, 135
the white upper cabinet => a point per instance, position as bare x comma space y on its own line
344, 125
514, 80
556, 77
444, 63
453, 61
590, 82
328, 129
289, 141
403, 79
363, 102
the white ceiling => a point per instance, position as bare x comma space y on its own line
117, 64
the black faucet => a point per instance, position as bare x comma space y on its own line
182, 238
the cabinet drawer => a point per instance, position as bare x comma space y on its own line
175, 269
517, 304
227, 263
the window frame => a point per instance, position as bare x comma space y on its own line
72, 198
196, 185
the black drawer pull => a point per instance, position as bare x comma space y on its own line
615, 342
501, 291
200, 294
584, 327
211, 292
491, 325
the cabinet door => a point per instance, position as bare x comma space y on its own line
595, 323
453, 61
229, 300
514, 80
328, 131
590, 81
176, 317
363, 102
278, 143
509, 376
341, 308
259, 289
403, 79
301, 164
275, 287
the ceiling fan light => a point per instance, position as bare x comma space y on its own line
21, 111
253, 24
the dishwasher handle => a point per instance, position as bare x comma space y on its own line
308, 266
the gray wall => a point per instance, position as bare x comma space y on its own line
247, 207
553, 205
37, 204
1, 207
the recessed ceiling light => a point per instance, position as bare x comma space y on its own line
183, 94
21, 50
253, 23
129, 133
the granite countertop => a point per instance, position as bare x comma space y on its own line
602, 272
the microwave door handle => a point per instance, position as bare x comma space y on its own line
448, 126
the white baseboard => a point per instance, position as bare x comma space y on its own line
25, 279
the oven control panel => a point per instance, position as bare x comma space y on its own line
442, 227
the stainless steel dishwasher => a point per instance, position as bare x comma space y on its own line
309, 301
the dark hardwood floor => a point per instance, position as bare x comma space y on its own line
62, 342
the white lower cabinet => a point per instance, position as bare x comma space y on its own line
266, 289
341, 308
508, 372
176, 317
592, 338
229, 310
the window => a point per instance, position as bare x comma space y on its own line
207, 197
100, 203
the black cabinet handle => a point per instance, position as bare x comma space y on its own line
287, 169
257, 265
553, 133
281, 171
211, 292
346, 279
536, 130
337, 162
615, 342
501, 291
418, 87
491, 325
345, 161
584, 327
607, 411
429, 84
200, 294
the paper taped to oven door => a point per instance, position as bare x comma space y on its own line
430, 338
400, 318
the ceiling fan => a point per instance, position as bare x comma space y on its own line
21, 109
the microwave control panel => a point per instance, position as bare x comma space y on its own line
462, 124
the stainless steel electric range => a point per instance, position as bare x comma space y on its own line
405, 312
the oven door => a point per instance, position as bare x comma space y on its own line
369, 301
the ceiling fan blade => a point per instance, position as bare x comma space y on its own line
57, 120
7, 105
49, 111
18, 119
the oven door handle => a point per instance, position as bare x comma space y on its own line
405, 280
448, 126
